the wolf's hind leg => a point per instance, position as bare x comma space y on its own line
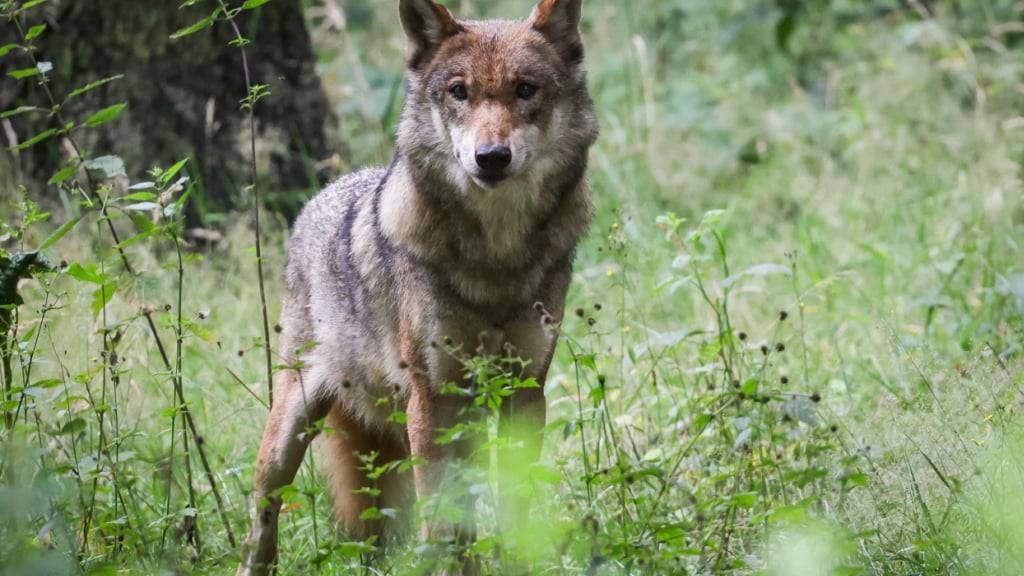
343, 443
297, 405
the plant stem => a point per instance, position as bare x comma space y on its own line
241, 41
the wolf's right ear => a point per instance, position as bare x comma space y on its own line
427, 24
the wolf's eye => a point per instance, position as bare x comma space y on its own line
525, 90
459, 92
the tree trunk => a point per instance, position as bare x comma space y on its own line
183, 97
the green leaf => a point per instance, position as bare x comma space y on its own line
202, 24
172, 171
35, 139
92, 86
102, 296
59, 233
105, 167
140, 197
749, 387
153, 229
23, 73
7, 48
202, 333
35, 31
30, 4
73, 426
250, 4
105, 115
63, 174
743, 500
79, 272
19, 111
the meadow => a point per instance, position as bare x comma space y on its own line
794, 341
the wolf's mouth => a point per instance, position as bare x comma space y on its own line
491, 180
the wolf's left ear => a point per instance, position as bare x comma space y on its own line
559, 21
427, 24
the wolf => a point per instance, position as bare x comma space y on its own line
466, 241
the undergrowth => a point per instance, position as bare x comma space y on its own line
793, 344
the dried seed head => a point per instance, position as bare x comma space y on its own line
241, 353
780, 347
346, 384
764, 349
784, 380
402, 365
591, 322
167, 307
783, 315
598, 307
815, 397
580, 312
447, 341
742, 336
278, 329
833, 428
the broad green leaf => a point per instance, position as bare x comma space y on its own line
140, 196
172, 171
35, 31
105, 167
105, 115
59, 233
743, 499
23, 73
153, 229
35, 139
102, 296
202, 24
63, 174
202, 333
7, 48
250, 4
85, 274
92, 86
30, 4
73, 426
19, 111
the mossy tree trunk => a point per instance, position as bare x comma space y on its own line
182, 95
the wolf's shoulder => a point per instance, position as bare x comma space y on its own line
326, 208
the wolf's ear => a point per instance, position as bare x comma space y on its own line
427, 24
559, 21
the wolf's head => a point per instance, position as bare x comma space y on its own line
496, 105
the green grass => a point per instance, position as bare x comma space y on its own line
806, 283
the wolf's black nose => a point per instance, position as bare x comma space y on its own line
493, 157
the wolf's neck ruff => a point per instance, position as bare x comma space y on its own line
420, 217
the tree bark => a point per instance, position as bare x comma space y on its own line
183, 97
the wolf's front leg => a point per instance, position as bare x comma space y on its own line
284, 444
428, 413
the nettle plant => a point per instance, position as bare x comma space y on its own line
736, 439
63, 432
